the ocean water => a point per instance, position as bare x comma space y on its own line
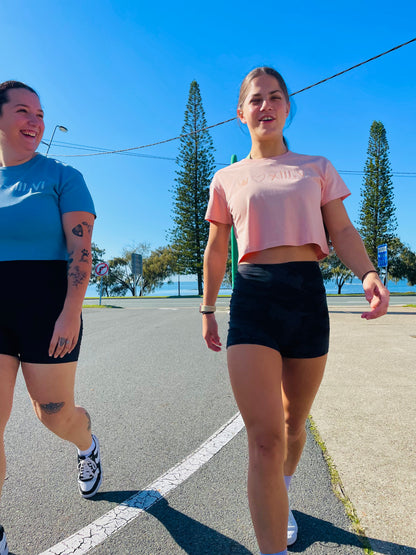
190, 287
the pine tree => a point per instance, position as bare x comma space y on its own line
377, 223
191, 192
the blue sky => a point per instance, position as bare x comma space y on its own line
117, 75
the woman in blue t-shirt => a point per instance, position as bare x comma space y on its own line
46, 221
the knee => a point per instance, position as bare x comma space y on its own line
267, 446
295, 430
52, 414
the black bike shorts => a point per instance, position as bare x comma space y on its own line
32, 295
281, 306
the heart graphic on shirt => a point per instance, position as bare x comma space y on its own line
260, 177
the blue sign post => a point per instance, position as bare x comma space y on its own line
382, 256
382, 260
137, 270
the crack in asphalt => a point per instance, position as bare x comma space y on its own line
101, 529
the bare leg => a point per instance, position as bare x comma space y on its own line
51, 388
256, 375
8, 371
301, 379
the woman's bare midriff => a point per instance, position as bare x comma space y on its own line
279, 255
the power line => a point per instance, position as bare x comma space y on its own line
75, 146
122, 150
170, 159
125, 150
354, 67
394, 174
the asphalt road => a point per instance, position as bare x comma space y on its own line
155, 394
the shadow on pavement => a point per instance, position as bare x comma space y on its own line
118, 497
192, 536
317, 531
196, 538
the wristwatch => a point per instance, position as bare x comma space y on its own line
206, 309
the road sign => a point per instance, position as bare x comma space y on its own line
101, 269
382, 256
137, 264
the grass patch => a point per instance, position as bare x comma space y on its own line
339, 491
410, 305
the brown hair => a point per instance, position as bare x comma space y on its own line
257, 72
6, 86
265, 70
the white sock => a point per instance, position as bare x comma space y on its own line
88, 451
288, 479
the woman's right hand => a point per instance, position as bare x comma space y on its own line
210, 332
65, 334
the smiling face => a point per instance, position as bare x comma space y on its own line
264, 109
21, 127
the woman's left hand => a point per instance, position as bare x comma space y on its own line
65, 334
377, 295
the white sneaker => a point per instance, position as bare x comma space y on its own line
89, 472
3, 542
292, 529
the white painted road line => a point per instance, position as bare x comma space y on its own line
101, 529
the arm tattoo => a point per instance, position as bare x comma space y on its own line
85, 255
88, 226
52, 408
78, 277
70, 258
78, 231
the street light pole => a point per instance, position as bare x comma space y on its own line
61, 128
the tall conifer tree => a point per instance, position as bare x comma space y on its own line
377, 222
191, 192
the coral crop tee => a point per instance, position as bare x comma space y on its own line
275, 201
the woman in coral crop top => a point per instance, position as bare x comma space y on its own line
279, 204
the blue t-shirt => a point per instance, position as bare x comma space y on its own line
33, 197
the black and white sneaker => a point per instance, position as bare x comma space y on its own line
89, 472
4, 550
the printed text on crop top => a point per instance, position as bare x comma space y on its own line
275, 201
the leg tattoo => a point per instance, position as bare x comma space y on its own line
89, 420
52, 408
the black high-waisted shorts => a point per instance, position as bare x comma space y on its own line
281, 306
32, 295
